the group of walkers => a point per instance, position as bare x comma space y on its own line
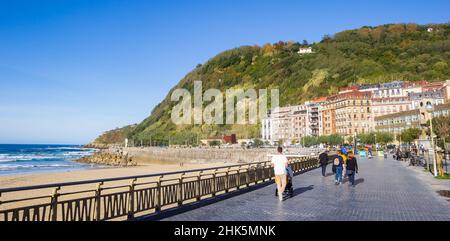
344, 165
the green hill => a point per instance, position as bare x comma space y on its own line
365, 55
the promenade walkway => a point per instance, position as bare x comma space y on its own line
385, 190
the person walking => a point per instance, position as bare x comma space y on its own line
397, 154
279, 164
352, 168
338, 164
323, 159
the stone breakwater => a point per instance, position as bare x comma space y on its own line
110, 159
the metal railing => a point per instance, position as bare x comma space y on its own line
125, 198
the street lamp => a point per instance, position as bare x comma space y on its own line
408, 124
430, 109
375, 141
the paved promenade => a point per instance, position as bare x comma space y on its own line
385, 190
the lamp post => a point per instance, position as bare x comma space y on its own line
430, 110
375, 141
408, 124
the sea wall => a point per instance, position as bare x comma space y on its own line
156, 155
131, 156
197, 155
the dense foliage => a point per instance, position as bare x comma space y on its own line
441, 128
381, 138
116, 136
365, 55
309, 141
410, 135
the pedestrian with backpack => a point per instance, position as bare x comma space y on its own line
338, 164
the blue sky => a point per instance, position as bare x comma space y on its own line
70, 70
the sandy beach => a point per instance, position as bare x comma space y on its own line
108, 172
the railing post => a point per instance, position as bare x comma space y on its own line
238, 180
98, 194
256, 174
227, 183
180, 189
131, 206
158, 194
199, 177
247, 176
54, 204
214, 183
263, 172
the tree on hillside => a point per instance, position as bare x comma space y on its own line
366, 55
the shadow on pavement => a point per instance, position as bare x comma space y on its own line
358, 181
301, 190
204, 202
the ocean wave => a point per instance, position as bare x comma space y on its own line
9, 158
78, 153
30, 166
18, 160
67, 148
30, 157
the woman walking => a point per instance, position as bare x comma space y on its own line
352, 168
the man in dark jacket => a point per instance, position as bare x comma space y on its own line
323, 159
352, 168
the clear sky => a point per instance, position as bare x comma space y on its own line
70, 70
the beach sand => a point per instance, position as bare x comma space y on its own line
108, 172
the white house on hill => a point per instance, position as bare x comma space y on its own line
305, 50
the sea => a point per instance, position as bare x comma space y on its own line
30, 159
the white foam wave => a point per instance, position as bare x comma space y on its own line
28, 166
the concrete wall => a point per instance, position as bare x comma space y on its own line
196, 155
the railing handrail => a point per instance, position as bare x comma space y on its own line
104, 203
65, 184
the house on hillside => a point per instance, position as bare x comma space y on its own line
305, 50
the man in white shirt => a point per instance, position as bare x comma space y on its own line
279, 164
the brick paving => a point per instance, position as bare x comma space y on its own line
386, 190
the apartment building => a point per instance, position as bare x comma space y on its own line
390, 105
300, 121
436, 96
357, 109
327, 116
398, 122
312, 123
353, 113
278, 126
